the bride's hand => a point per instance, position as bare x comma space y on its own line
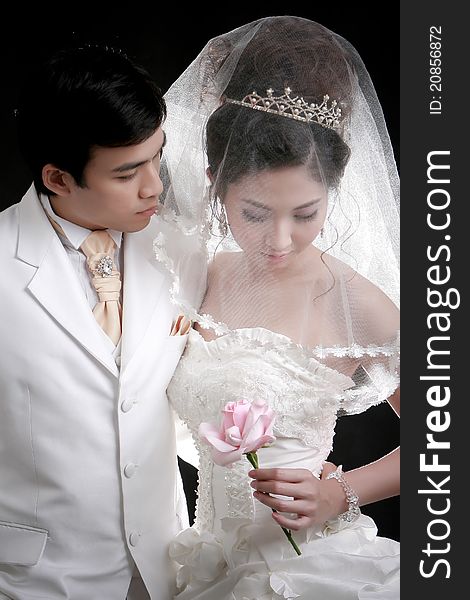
328, 467
310, 500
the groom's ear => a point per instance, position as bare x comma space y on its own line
209, 174
56, 180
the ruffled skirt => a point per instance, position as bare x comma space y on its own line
248, 561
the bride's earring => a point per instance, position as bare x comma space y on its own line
223, 224
322, 233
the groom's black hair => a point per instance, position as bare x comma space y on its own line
81, 98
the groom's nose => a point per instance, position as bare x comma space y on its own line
151, 185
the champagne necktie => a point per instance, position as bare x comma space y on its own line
99, 248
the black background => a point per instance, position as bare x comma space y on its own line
165, 42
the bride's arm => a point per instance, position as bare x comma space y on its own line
318, 500
380, 479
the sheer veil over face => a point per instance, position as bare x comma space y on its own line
279, 158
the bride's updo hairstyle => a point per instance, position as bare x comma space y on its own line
242, 141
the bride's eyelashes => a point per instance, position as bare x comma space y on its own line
309, 217
254, 218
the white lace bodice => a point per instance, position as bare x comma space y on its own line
256, 363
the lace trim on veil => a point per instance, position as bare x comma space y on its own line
160, 246
179, 226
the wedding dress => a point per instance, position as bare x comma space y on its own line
235, 550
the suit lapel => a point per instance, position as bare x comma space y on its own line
55, 284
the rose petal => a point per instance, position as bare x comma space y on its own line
259, 443
268, 420
224, 459
227, 420
260, 405
240, 413
246, 427
213, 437
221, 445
208, 430
254, 433
257, 409
259, 430
251, 419
233, 436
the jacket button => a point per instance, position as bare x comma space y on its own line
129, 470
127, 404
134, 538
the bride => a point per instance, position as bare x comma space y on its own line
277, 144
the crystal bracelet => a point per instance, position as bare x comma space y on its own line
353, 511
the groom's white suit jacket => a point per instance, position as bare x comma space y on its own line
88, 473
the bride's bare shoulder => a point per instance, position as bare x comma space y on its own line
223, 264
375, 309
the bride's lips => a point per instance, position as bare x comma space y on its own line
277, 257
148, 212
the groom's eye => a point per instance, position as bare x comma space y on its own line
127, 177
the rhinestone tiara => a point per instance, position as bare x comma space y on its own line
326, 115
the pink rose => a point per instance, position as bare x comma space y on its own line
246, 427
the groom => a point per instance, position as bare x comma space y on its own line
89, 494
